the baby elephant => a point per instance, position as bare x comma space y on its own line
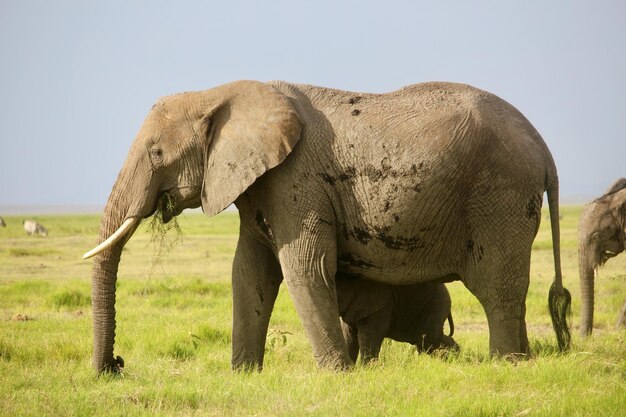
371, 311
34, 228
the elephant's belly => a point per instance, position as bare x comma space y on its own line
401, 266
413, 242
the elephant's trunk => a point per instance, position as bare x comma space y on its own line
587, 275
104, 274
103, 280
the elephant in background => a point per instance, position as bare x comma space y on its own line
601, 236
2, 223
621, 318
32, 227
434, 181
415, 314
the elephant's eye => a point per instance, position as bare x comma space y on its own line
157, 154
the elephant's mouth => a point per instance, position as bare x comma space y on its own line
171, 203
605, 256
166, 207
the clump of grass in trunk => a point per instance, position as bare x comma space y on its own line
161, 240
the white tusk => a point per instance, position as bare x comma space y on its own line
115, 237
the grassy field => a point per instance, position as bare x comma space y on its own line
174, 318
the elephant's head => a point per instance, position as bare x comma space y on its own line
601, 234
194, 149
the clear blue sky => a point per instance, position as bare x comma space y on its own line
77, 78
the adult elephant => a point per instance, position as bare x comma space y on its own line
601, 235
434, 181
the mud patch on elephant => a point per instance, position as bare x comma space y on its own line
387, 170
400, 242
351, 261
328, 178
347, 175
381, 234
533, 207
373, 174
358, 234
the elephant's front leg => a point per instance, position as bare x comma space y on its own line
256, 280
309, 272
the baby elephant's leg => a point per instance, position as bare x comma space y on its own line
371, 333
435, 313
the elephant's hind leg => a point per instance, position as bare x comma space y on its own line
256, 280
502, 292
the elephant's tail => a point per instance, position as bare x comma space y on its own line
559, 298
451, 323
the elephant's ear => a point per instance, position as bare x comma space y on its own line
251, 131
616, 186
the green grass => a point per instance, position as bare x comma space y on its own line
173, 330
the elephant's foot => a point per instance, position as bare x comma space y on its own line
247, 366
507, 339
515, 357
334, 362
115, 367
247, 360
448, 343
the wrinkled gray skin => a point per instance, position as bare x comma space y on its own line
432, 181
371, 311
32, 227
601, 235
